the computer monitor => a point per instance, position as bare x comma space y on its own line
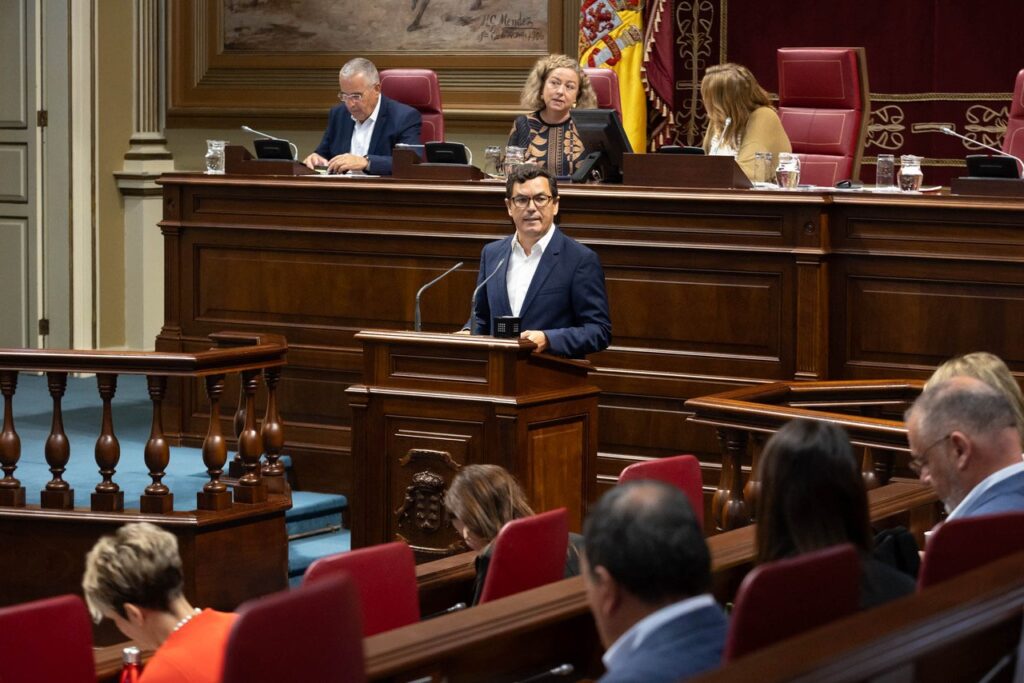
274, 149
985, 166
604, 143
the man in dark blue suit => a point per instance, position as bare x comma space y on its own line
366, 126
554, 284
647, 572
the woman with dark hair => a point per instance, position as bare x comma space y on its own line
812, 497
483, 498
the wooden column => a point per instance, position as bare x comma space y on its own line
108, 496
157, 497
12, 493
58, 494
251, 487
215, 494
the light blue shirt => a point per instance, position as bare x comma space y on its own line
634, 637
983, 486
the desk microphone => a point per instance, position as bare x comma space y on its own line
560, 670
416, 319
472, 309
949, 131
295, 150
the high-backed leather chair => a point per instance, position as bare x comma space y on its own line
961, 545
47, 640
417, 88
778, 600
681, 471
824, 106
1013, 142
606, 86
528, 553
311, 633
384, 575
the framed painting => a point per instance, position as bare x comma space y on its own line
276, 61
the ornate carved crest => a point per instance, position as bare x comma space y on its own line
423, 503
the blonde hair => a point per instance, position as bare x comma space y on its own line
532, 96
730, 91
139, 564
990, 369
485, 498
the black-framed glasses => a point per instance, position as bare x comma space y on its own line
521, 201
919, 462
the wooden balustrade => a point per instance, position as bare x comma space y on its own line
249, 355
870, 411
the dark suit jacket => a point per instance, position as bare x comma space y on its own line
566, 299
396, 123
684, 647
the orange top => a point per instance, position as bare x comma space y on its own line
194, 653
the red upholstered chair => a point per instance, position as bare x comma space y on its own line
385, 576
961, 545
417, 88
312, 633
606, 86
528, 553
46, 640
682, 471
778, 600
1013, 142
824, 107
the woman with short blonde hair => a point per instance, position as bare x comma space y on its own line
990, 369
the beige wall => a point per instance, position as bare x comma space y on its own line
114, 83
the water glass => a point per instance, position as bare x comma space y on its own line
788, 172
885, 169
911, 176
215, 156
492, 161
514, 156
764, 169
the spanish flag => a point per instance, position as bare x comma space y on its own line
611, 37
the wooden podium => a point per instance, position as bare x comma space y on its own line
695, 171
431, 403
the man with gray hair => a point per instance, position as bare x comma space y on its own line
965, 442
365, 126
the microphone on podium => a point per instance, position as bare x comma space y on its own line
949, 131
560, 670
472, 309
295, 150
416, 318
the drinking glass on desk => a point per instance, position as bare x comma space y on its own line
911, 176
788, 172
215, 156
885, 168
514, 156
492, 161
764, 169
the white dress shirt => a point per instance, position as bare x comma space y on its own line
521, 269
364, 132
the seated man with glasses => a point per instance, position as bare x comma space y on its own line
965, 443
366, 126
552, 283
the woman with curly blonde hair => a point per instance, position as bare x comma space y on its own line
741, 119
554, 87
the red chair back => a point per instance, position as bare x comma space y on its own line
46, 641
385, 576
528, 553
682, 471
605, 83
778, 600
419, 89
961, 545
824, 107
1013, 142
311, 633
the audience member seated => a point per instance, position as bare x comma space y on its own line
741, 119
363, 130
647, 573
556, 85
990, 369
481, 500
965, 443
134, 578
812, 497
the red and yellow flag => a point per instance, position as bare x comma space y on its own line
611, 37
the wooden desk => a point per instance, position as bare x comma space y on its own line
708, 291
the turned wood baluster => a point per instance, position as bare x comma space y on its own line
752, 489
12, 493
238, 424
273, 434
108, 496
157, 498
215, 494
58, 494
250, 488
730, 510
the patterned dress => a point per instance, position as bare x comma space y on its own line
556, 146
